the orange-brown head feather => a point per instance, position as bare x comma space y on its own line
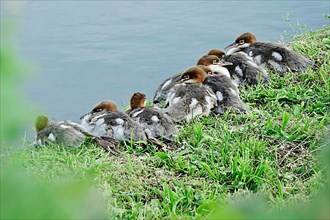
193, 75
105, 106
246, 38
207, 60
217, 52
138, 100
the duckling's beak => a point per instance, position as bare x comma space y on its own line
231, 48
225, 63
81, 118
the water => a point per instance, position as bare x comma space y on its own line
88, 51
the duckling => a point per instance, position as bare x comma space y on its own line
106, 120
67, 133
163, 89
156, 123
274, 55
189, 98
226, 92
243, 71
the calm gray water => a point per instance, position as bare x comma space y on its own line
88, 51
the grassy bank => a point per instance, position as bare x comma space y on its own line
273, 152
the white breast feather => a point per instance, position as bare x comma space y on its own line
277, 56
155, 119
119, 121
239, 71
193, 103
176, 100
51, 137
219, 95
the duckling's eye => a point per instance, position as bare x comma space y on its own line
215, 61
241, 42
186, 77
96, 110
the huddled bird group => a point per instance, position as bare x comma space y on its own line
211, 86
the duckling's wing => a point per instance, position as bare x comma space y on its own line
160, 124
107, 143
244, 70
226, 92
164, 88
78, 128
279, 56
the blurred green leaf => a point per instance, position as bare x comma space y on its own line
161, 155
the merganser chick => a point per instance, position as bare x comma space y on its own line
243, 71
156, 123
163, 89
226, 92
67, 133
273, 55
189, 98
106, 120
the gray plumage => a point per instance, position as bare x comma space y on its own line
187, 101
64, 133
226, 92
117, 125
155, 121
287, 59
244, 70
164, 88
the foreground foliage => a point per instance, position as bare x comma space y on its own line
273, 152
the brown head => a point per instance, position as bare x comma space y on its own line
138, 100
107, 106
193, 75
104, 106
246, 38
207, 60
206, 69
217, 52
241, 42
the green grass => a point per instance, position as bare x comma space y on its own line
273, 152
